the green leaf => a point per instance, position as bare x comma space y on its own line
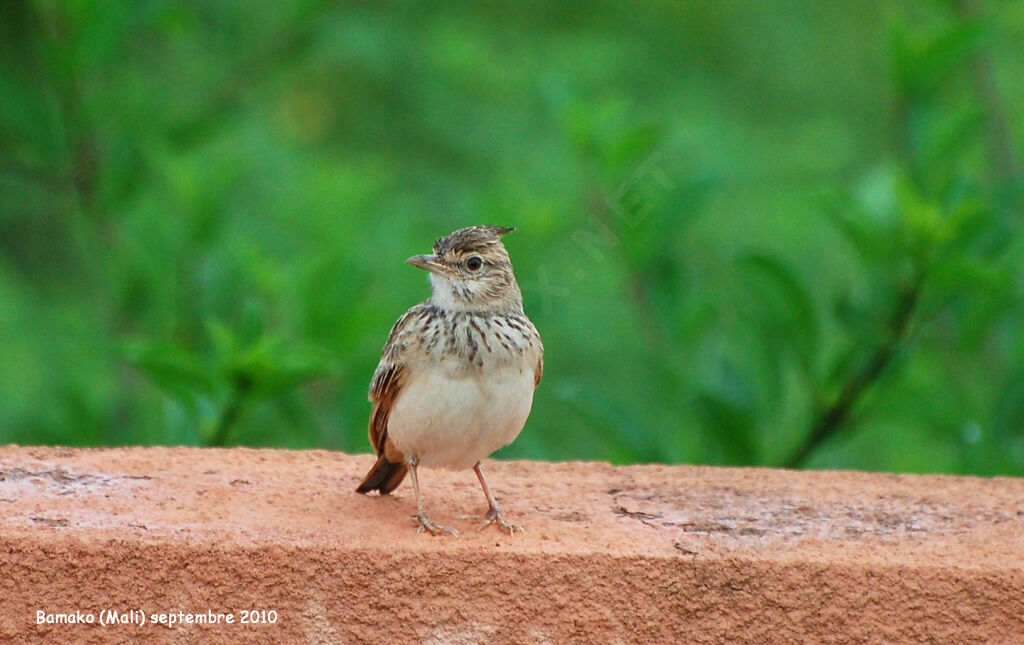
922, 61
781, 306
730, 422
924, 225
251, 329
224, 342
634, 148
866, 214
278, 371
178, 372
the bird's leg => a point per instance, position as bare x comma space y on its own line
493, 512
421, 519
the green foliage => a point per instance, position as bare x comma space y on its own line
243, 368
750, 233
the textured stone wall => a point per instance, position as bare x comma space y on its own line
231, 546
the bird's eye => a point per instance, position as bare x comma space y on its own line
474, 263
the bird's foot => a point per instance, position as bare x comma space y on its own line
494, 517
424, 523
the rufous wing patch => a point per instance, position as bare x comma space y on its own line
384, 391
389, 470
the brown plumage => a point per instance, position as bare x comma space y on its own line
458, 370
389, 470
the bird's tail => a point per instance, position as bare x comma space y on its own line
385, 476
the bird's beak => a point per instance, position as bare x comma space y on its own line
430, 263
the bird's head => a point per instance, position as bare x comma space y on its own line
470, 271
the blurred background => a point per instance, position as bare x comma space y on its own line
783, 233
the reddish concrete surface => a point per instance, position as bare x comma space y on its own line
610, 554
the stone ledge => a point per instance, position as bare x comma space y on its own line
610, 554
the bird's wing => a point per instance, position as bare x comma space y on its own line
386, 386
389, 378
536, 347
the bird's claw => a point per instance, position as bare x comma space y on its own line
494, 517
424, 523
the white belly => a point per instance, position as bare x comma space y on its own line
454, 421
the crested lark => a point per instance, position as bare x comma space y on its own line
456, 379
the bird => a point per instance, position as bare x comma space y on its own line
457, 374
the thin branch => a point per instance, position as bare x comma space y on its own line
833, 418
